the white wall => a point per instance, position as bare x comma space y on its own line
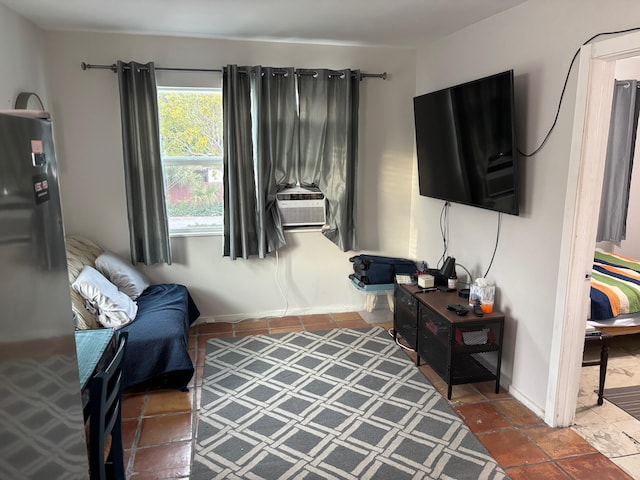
22, 57
312, 272
537, 39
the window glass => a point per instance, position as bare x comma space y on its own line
191, 148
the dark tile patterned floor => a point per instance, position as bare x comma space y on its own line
159, 425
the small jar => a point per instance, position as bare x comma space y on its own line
452, 281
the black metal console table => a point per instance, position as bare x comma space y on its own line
461, 349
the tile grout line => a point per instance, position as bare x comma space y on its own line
195, 414
136, 438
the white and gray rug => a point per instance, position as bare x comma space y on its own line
335, 404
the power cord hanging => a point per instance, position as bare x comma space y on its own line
564, 88
444, 231
468, 273
284, 297
496, 246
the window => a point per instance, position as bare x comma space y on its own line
191, 148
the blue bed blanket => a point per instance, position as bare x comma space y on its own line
158, 342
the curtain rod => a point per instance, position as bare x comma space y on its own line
113, 68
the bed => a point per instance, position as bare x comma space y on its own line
158, 339
615, 294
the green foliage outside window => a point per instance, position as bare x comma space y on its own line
187, 209
191, 123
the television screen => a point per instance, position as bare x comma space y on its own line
465, 144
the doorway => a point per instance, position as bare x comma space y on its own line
594, 94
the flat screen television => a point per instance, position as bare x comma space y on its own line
465, 144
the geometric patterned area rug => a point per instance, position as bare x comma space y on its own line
333, 404
625, 398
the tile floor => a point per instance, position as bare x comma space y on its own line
609, 429
159, 425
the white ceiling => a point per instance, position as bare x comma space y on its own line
359, 22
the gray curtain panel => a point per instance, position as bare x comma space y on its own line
619, 162
275, 133
329, 103
283, 128
259, 106
148, 224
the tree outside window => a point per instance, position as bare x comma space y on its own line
191, 139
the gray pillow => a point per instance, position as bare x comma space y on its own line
111, 307
122, 274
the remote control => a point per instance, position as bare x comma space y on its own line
459, 309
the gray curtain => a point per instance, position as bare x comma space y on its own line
260, 123
619, 162
329, 102
148, 224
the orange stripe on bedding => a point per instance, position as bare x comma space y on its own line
622, 271
611, 295
617, 260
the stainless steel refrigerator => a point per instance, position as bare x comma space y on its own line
41, 421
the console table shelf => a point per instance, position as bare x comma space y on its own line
461, 349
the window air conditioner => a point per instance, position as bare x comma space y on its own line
301, 206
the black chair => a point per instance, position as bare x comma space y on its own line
105, 418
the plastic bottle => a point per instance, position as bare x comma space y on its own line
422, 268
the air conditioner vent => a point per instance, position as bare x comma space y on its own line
301, 207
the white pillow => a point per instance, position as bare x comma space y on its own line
122, 274
112, 308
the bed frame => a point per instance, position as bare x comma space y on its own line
620, 330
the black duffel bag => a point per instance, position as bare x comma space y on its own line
375, 269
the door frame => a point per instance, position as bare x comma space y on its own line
594, 94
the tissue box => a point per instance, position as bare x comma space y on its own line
405, 279
425, 281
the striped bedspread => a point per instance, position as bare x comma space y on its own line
615, 285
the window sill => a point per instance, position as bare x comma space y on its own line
208, 233
219, 233
314, 228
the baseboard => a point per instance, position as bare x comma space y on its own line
238, 317
523, 399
